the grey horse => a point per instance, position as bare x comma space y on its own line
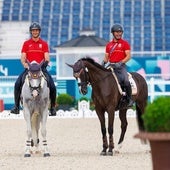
35, 100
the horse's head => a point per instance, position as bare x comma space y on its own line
80, 72
34, 78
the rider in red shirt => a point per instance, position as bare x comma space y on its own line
117, 54
34, 49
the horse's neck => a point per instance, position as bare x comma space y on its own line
97, 74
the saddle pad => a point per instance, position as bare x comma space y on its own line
133, 84
131, 80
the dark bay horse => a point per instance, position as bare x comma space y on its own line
106, 97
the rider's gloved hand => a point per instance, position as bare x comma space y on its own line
103, 63
119, 64
25, 65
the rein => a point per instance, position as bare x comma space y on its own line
94, 82
33, 88
87, 82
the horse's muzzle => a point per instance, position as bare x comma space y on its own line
83, 90
35, 93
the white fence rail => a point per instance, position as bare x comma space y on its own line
66, 114
152, 83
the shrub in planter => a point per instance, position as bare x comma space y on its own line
157, 125
157, 115
64, 101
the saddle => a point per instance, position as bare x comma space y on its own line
123, 100
131, 80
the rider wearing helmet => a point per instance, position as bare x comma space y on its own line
34, 49
117, 54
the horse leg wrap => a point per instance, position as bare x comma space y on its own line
28, 149
46, 151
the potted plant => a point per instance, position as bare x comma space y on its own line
64, 101
157, 126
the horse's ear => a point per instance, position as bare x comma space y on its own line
69, 65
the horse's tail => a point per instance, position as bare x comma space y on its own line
35, 128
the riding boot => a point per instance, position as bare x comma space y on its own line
129, 96
52, 88
53, 98
15, 109
52, 111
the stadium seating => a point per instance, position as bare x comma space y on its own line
146, 22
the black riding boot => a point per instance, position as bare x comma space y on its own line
53, 99
52, 88
52, 110
129, 96
15, 109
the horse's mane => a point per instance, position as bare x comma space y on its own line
90, 60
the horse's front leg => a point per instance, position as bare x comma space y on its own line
29, 134
103, 130
43, 132
110, 131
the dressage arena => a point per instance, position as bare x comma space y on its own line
74, 144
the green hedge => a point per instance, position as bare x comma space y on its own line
157, 115
64, 98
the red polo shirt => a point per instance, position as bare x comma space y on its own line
117, 50
35, 50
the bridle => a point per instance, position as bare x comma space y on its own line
86, 74
34, 88
79, 73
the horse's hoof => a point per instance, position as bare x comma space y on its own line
103, 153
110, 153
27, 155
46, 154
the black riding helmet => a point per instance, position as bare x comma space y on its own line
35, 25
116, 28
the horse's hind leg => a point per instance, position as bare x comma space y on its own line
36, 133
124, 123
